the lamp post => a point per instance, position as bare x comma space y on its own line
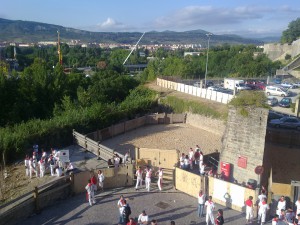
208, 38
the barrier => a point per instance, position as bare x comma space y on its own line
196, 91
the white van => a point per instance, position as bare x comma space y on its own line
273, 90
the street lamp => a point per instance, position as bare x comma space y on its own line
208, 38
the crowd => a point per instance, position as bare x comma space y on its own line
39, 164
285, 215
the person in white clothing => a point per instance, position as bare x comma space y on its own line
281, 205
297, 204
181, 160
249, 209
262, 211
42, 167
202, 169
200, 158
148, 177
26, 162
261, 196
201, 202
58, 171
143, 218
126, 157
90, 193
139, 178
210, 206
160, 178
191, 158
32, 168
101, 179
51, 161
116, 160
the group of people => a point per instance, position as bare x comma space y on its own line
93, 183
117, 160
39, 164
193, 158
125, 217
148, 175
208, 205
285, 215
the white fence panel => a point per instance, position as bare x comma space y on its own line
219, 96
195, 91
203, 93
198, 92
213, 96
190, 90
186, 89
208, 94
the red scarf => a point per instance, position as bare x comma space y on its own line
249, 202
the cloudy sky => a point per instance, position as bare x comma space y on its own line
242, 17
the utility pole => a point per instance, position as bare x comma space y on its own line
58, 49
208, 36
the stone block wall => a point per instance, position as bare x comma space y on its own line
244, 142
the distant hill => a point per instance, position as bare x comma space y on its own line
27, 31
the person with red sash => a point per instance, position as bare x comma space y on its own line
210, 206
281, 205
275, 220
139, 178
90, 193
262, 211
94, 182
249, 209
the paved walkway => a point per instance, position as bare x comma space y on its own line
163, 206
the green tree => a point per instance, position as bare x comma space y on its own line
292, 33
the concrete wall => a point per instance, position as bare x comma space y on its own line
114, 177
244, 138
206, 123
229, 194
276, 51
165, 158
188, 182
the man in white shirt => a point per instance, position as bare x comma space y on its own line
210, 206
143, 218
201, 202
139, 178
262, 211
298, 206
281, 205
160, 178
148, 177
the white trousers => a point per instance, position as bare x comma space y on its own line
92, 198
139, 182
210, 217
159, 183
148, 183
52, 169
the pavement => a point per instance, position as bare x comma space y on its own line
163, 206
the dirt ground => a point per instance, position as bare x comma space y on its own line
172, 136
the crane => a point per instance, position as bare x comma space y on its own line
58, 49
133, 48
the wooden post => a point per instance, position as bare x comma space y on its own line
36, 199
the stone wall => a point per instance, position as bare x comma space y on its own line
244, 142
278, 51
206, 123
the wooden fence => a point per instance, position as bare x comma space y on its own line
91, 141
33, 202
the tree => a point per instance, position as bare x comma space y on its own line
292, 33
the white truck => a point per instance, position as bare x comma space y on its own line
235, 84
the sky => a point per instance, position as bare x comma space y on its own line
247, 18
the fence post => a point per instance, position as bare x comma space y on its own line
36, 199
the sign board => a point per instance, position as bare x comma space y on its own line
259, 170
242, 162
64, 156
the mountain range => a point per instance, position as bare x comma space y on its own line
32, 32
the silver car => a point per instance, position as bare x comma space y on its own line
272, 101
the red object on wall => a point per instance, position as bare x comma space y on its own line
242, 162
226, 170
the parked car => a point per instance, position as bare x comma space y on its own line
277, 81
274, 90
260, 86
287, 85
286, 122
274, 115
297, 84
285, 102
272, 101
213, 88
